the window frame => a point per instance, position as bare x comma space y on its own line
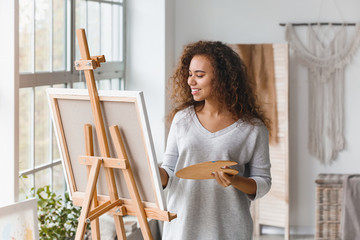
109, 70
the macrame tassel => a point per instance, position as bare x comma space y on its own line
326, 88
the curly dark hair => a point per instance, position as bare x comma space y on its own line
231, 84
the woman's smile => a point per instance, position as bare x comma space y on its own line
194, 91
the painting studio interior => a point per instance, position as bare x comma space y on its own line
179, 119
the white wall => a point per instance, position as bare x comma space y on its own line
145, 61
150, 42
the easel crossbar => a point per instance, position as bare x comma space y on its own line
121, 163
151, 212
104, 208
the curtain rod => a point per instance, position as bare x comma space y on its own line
318, 23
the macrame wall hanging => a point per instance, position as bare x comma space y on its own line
326, 60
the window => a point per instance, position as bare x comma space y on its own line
47, 49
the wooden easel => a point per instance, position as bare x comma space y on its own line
91, 211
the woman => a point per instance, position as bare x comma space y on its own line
215, 117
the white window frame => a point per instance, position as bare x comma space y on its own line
108, 70
9, 97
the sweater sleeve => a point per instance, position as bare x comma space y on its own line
259, 165
171, 153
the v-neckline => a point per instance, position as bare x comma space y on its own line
209, 133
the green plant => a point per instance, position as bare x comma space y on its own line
58, 218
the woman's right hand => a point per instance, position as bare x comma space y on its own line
164, 177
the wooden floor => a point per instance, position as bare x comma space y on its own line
268, 233
277, 233
281, 237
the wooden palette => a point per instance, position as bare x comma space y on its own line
204, 170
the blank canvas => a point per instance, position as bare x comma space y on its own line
71, 110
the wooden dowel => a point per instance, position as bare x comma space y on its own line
89, 144
99, 208
89, 150
102, 209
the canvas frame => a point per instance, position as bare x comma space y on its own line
71, 110
19, 220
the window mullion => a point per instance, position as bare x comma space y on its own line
123, 30
32, 134
51, 42
100, 27
33, 37
51, 148
40, 168
106, 2
73, 46
66, 35
123, 43
112, 33
71, 41
51, 70
87, 16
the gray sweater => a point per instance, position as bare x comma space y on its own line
206, 210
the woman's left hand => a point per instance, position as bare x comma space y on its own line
246, 185
224, 179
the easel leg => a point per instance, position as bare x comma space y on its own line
119, 226
89, 151
119, 222
130, 182
90, 187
